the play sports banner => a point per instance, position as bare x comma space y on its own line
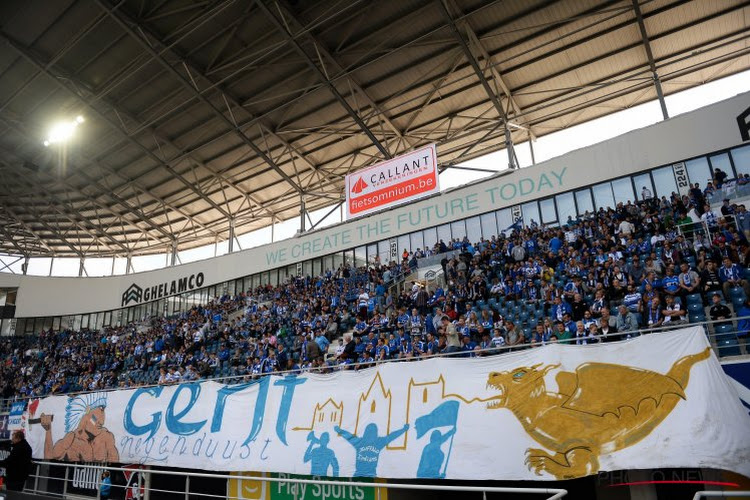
553, 412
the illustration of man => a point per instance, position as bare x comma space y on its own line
322, 457
86, 439
431, 461
368, 447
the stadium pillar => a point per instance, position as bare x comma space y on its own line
80, 267
273, 226
302, 214
25, 265
650, 56
531, 149
231, 235
173, 257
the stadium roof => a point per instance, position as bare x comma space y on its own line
203, 114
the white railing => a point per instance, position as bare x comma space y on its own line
38, 478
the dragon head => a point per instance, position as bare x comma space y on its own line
526, 382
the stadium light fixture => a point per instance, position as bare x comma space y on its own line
61, 132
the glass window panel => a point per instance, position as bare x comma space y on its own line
430, 237
566, 207
603, 196
489, 225
444, 233
623, 189
473, 229
349, 257
584, 201
641, 181
504, 219
664, 181
741, 159
722, 161
698, 171
416, 240
403, 244
372, 252
384, 251
56, 323
307, 268
338, 259
458, 229
317, 267
360, 256
547, 208
530, 213
328, 263
274, 277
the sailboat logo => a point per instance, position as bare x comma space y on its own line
359, 186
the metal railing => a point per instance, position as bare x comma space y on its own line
39, 479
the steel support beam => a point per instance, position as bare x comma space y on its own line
328, 214
231, 236
323, 78
302, 213
124, 21
320, 47
117, 127
480, 74
650, 55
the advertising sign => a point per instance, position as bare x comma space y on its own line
392, 182
16, 417
250, 486
554, 412
4, 432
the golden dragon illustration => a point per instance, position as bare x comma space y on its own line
601, 408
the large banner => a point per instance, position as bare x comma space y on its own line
555, 412
395, 181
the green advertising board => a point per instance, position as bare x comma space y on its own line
251, 486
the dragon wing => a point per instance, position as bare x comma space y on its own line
605, 388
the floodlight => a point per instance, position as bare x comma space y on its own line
62, 131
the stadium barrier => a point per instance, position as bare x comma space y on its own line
146, 484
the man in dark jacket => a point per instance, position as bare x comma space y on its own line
18, 463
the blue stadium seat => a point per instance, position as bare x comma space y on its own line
697, 317
737, 302
694, 298
723, 330
737, 292
728, 347
694, 307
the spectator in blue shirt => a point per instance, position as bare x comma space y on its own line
105, 486
731, 277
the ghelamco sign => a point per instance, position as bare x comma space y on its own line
395, 181
135, 294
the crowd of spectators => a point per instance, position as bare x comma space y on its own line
609, 275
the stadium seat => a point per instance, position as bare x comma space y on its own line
695, 307
694, 298
728, 347
699, 317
